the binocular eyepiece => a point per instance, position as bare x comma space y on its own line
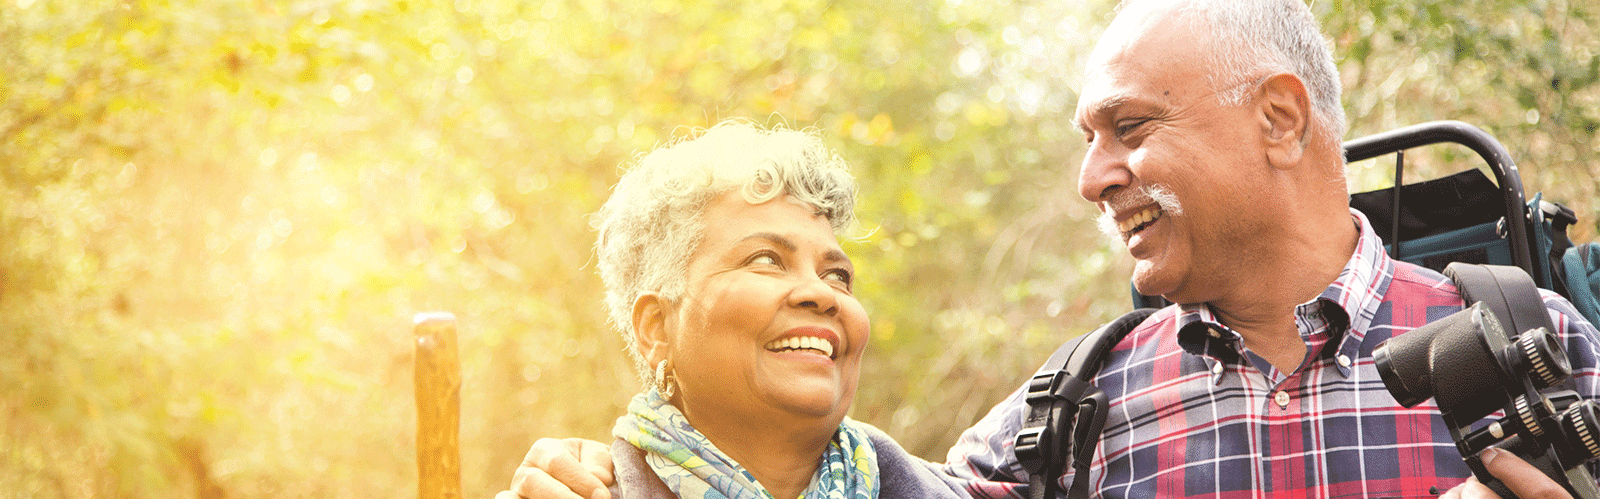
1470, 367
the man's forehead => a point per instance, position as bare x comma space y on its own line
1099, 104
1094, 107
1148, 54
1121, 84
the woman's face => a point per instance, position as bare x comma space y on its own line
767, 330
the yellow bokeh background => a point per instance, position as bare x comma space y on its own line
217, 218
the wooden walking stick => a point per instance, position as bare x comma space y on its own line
438, 390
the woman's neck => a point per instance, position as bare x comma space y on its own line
784, 473
782, 457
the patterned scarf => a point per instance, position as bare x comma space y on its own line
694, 469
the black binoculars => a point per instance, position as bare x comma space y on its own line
1469, 365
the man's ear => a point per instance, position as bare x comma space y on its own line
650, 316
1285, 110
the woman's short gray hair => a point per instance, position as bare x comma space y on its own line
651, 224
1256, 36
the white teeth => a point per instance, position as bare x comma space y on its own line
802, 343
1139, 218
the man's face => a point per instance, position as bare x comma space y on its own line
1172, 170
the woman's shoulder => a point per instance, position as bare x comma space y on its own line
634, 478
903, 475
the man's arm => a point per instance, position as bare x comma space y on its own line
982, 460
1521, 478
984, 457
1581, 342
571, 468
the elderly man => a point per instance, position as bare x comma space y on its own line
1214, 153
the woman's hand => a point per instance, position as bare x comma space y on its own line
571, 468
1524, 480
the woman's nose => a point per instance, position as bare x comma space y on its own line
814, 294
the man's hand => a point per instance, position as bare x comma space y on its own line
571, 468
1524, 480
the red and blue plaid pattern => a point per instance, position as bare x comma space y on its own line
1196, 414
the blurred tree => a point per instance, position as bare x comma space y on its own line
217, 216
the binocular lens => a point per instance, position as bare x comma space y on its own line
1580, 424
1540, 355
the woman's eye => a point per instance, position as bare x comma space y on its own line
838, 275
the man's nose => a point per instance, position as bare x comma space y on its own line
1104, 171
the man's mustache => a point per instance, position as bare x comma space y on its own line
1130, 199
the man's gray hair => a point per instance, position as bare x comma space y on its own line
652, 223
1252, 37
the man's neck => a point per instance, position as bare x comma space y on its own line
1262, 310
1269, 330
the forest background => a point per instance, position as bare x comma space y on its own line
217, 218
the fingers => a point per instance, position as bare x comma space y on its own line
596, 457
563, 469
577, 464
1472, 489
533, 483
1521, 478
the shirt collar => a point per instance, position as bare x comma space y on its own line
1347, 306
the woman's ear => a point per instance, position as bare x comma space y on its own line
650, 316
1286, 118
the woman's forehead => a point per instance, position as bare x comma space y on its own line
733, 217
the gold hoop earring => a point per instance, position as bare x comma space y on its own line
664, 381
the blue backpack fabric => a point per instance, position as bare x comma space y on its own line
1581, 269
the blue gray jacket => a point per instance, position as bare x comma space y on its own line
902, 475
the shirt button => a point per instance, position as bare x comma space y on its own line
1217, 368
1282, 398
1344, 360
1215, 333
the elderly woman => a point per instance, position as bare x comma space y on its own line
724, 274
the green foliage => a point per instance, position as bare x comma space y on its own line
1523, 71
217, 216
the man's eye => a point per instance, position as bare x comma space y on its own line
764, 259
1128, 126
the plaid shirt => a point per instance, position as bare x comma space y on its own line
1196, 414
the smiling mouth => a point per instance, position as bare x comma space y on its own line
1139, 221
802, 343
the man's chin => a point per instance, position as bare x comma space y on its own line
1148, 282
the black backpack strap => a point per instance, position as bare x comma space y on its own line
1507, 291
1066, 413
